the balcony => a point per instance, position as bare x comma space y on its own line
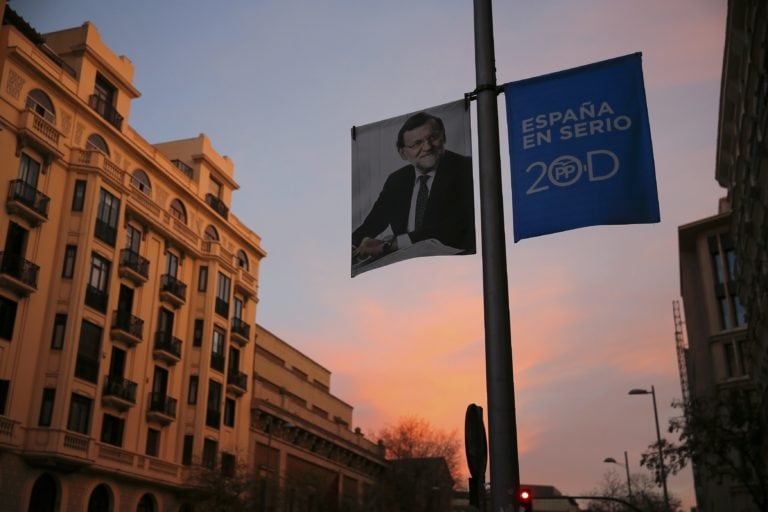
213, 418
245, 283
106, 111
39, 133
217, 205
96, 299
26, 201
173, 291
17, 273
118, 392
126, 327
217, 362
105, 232
162, 408
167, 347
237, 382
62, 449
133, 266
222, 307
187, 170
240, 332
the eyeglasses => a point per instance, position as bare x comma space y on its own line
432, 139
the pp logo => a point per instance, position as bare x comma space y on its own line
566, 170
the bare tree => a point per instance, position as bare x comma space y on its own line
725, 436
645, 495
413, 437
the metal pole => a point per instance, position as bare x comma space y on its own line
629, 482
502, 427
661, 452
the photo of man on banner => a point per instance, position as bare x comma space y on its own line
422, 208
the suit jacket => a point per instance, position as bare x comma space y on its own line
450, 213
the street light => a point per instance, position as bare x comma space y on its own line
663, 471
611, 460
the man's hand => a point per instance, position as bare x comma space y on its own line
371, 247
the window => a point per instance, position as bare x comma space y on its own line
186, 455
132, 238
213, 417
78, 198
88, 352
41, 104
7, 318
140, 180
29, 172
171, 264
210, 448
223, 286
215, 188
98, 283
46, 407
202, 279
79, 414
112, 430
238, 309
228, 462
242, 259
106, 217
153, 442
178, 210
192, 394
732, 312
70, 255
59, 327
4, 384
229, 412
210, 233
97, 143
197, 335
733, 357
217, 349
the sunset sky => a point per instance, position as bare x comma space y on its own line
277, 85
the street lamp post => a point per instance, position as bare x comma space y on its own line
611, 460
663, 471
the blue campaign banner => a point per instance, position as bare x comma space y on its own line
580, 149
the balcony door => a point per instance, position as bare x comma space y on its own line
29, 171
125, 300
16, 241
117, 363
160, 382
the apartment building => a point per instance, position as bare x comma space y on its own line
128, 290
723, 258
305, 453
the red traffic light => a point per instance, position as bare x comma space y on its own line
525, 496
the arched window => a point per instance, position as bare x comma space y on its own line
211, 233
242, 259
45, 494
178, 210
41, 104
101, 499
97, 143
140, 180
146, 504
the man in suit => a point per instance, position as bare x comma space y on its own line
430, 198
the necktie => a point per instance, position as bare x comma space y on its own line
421, 201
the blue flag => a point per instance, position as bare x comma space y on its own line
580, 149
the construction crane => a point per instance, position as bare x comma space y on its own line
682, 350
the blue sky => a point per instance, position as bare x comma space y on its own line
277, 87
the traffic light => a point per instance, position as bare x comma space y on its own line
525, 500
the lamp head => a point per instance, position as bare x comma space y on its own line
610, 460
638, 391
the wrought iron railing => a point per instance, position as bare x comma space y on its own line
29, 196
18, 268
134, 261
120, 388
